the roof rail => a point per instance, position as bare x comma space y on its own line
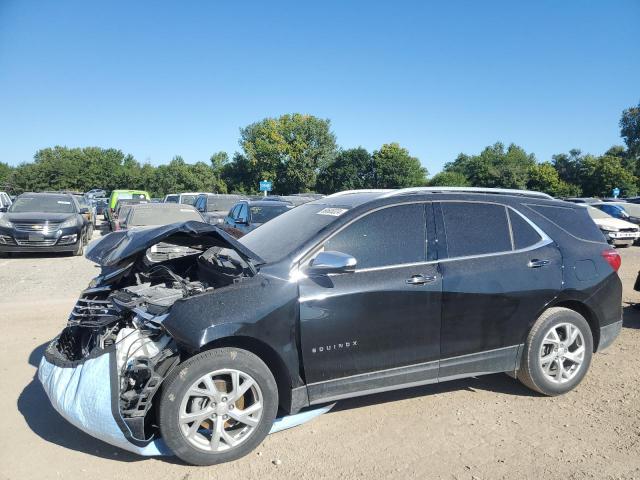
495, 191
364, 190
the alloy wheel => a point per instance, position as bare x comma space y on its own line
562, 352
221, 410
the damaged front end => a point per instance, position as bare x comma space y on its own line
105, 368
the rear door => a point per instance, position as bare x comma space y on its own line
378, 327
499, 272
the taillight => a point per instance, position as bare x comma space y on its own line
613, 258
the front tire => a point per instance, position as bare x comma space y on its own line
557, 353
217, 406
80, 248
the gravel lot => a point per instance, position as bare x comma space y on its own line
489, 427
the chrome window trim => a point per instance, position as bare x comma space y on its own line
544, 238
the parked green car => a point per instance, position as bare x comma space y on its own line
123, 195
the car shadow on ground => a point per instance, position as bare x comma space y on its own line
44, 421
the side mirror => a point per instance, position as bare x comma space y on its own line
3, 209
331, 262
84, 210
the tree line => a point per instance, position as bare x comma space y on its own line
299, 153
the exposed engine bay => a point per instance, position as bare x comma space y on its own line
123, 309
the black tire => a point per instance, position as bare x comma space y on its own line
531, 372
181, 379
79, 251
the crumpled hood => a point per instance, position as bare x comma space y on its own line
123, 244
613, 223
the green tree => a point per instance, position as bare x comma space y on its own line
218, 162
600, 175
351, 169
495, 166
449, 179
394, 167
569, 166
630, 130
543, 177
237, 175
288, 150
5, 174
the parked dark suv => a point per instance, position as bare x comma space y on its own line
44, 222
353, 294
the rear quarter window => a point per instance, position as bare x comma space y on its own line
573, 220
524, 235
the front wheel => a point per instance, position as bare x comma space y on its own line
218, 406
80, 248
557, 353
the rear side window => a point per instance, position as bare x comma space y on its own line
524, 235
574, 220
390, 236
475, 228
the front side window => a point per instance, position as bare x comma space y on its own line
390, 236
243, 214
475, 228
234, 212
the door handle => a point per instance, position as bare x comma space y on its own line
535, 263
420, 279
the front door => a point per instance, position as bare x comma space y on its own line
379, 327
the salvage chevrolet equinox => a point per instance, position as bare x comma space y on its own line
356, 293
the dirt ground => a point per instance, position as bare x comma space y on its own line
487, 427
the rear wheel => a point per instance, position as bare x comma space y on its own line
557, 353
218, 406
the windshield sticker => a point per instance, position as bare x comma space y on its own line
185, 210
334, 212
62, 202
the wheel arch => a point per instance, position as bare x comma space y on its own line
269, 356
586, 312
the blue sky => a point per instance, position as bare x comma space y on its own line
157, 79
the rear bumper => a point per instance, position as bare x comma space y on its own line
608, 334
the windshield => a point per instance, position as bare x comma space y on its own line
188, 199
595, 213
161, 216
288, 232
221, 204
262, 214
43, 203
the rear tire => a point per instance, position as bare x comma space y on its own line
557, 353
203, 387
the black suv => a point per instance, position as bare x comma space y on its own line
356, 293
247, 215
